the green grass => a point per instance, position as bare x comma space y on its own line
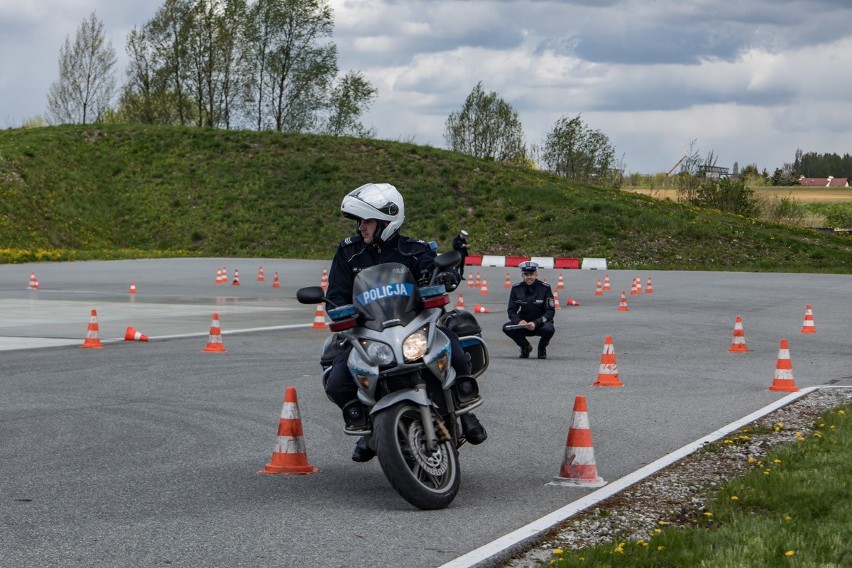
793, 509
124, 191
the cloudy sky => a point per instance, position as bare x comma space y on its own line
751, 81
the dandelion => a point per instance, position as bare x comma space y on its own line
620, 548
727, 441
776, 460
788, 518
658, 531
767, 471
661, 548
822, 425
817, 435
841, 412
662, 523
833, 426
734, 498
557, 551
642, 543
751, 459
789, 553
708, 514
779, 425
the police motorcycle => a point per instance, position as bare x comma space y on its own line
411, 398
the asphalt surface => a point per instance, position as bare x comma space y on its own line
147, 454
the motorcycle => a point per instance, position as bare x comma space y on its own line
409, 396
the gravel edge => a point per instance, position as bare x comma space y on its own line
677, 495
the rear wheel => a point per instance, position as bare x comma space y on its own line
428, 480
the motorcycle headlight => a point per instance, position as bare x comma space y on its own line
379, 353
414, 346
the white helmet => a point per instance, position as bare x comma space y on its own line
380, 201
464, 234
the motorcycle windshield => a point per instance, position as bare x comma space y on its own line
385, 295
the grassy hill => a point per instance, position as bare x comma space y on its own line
129, 191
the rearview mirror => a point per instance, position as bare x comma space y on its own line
310, 295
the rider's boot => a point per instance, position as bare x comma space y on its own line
474, 431
363, 452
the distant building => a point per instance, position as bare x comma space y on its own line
830, 181
716, 172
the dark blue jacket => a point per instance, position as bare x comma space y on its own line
531, 303
354, 255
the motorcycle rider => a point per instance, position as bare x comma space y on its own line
460, 244
531, 306
379, 210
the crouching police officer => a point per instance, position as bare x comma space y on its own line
531, 310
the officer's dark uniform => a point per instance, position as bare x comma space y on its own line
354, 255
460, 244
531, 303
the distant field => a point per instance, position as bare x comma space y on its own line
809, 195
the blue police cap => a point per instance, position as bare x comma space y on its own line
528, 266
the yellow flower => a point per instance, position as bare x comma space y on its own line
751, 459
727, 441
662, 523
767, 471
788, 518
789, 553
661, 547
817, 435
708, 514
841, 412
658, 531
557, 551
780, 425
734, 498
776, 460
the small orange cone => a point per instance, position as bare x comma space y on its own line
218, 275
289, 456
808, 325
324, 279
598, 288
477, 282
93, 338
132, 335
223, 278
649, 289
508, 283
33, 284
608, 371
783, 380
319, 318
622, 306
636, 287
460, 302
481, 310
214, 342
578, 466
276, 283
132, 288
260, 277
571, 302
560, 284
236, 281
555, 300
606, 282
739, 344
483, 289
469, 280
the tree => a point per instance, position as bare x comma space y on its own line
86, 81
351, 96
486, 127
575, 151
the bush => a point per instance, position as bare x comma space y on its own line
723, 194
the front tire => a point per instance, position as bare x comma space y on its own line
427, 480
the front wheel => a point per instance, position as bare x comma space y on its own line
428, 480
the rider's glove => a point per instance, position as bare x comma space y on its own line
448, 279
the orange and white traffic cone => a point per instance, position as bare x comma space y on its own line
289, 456
469, 280
260, 276
808, 325
608, 371
649, 289
555, 300
319, 318
93, 334
483, 289
223, 276
739, 344
477, 282
214, 342
606, 282
572, 302
598, 288
276, 283
33, 284
783, 380
132, 288
636, 287
133, 335
460, 302
560, 284
508, 283
578, 466
481, 309
622, 305
324, 279
236, 281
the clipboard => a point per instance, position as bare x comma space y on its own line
516, 326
